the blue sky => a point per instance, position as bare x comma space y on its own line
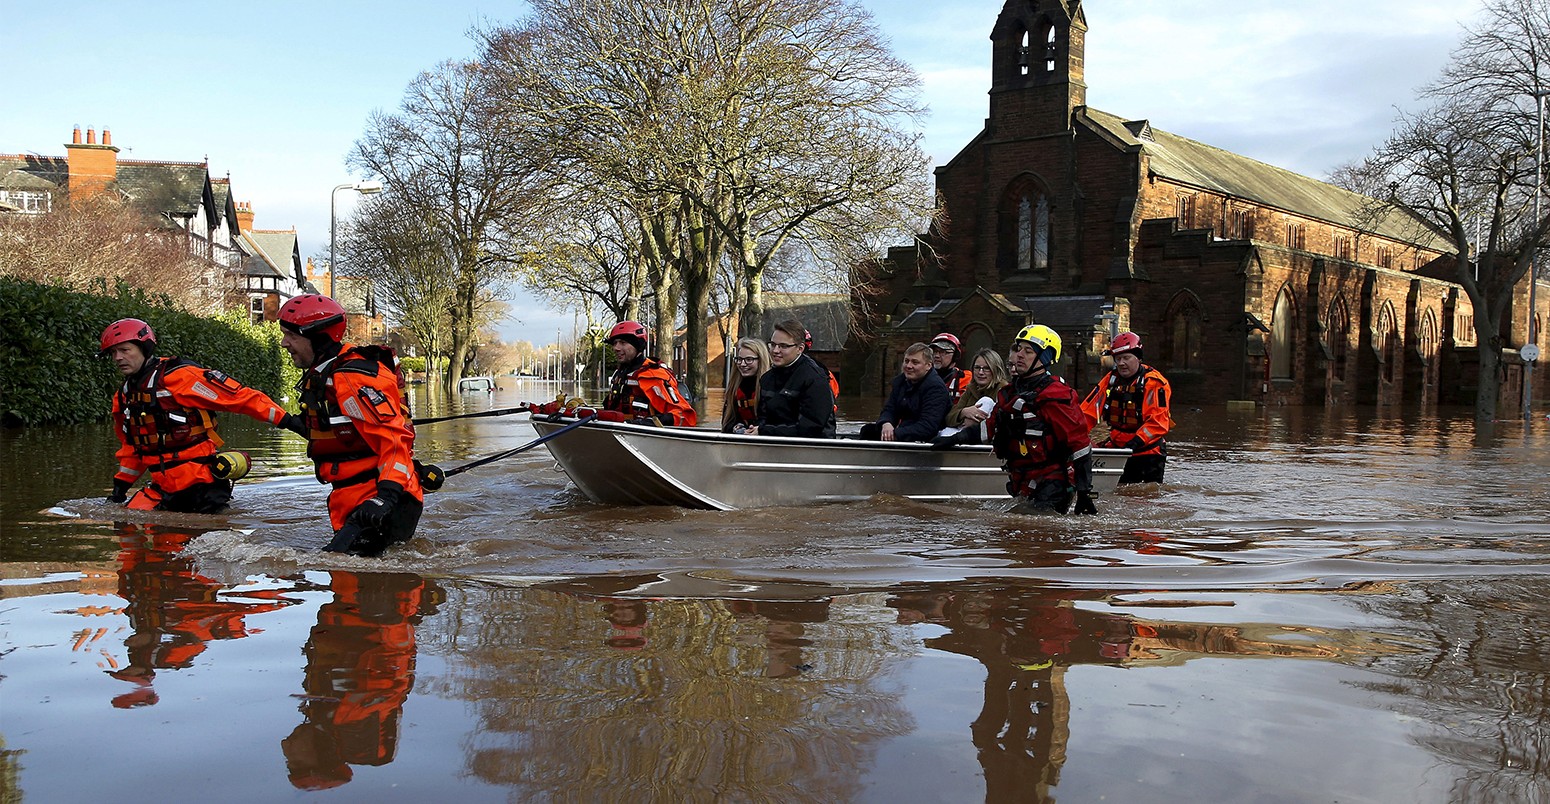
276, 93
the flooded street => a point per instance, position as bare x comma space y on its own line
1319, 606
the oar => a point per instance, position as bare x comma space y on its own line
501, 412
525, 447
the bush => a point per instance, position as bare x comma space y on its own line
412, 363
50, 372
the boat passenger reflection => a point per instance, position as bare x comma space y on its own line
174, 612
360, 669
785, 629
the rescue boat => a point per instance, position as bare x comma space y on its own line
619, 463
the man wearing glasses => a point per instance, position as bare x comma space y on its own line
916, 406
794, 395
944, 358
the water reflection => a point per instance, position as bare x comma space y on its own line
173, 611
359, 671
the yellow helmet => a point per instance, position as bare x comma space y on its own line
1044, 339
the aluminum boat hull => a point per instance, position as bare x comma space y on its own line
616, 463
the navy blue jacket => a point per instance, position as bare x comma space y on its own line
916, 410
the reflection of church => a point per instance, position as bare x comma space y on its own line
1244, 280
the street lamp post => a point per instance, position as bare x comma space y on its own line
1533, 269
369, 187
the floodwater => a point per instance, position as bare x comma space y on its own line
1318, 606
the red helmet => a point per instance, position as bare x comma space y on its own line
1124, 342
949, 338
310, 313
627, 329
127, 330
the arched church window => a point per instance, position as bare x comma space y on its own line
1282, 327
1033, 233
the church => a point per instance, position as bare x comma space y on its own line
1246, 282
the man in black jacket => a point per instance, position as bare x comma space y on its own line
794, 395
917, 405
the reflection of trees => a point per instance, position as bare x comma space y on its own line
360, 668
1485, 686
597, 698
1026, 637
173, 611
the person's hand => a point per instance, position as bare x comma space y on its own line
752, 430
294, 424
974, 416
373, 512
120, 493
887, 431
1084, 503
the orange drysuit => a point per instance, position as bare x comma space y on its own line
360, 433
649, 390
163, 419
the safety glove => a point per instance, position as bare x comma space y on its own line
294, 424
1082, 470
431, 476
370, 514
120, 493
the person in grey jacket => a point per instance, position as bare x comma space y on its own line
794, 395
917, 405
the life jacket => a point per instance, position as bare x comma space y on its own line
1028, 447
957, 381
745, 404
334, 436
627, 393
152, 422
1122, 402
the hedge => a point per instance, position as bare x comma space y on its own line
49, 339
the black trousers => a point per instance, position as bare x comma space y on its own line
1143, 469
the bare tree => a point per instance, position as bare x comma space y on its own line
442, 156
726, 128
396, 247
101, 241
1468, 160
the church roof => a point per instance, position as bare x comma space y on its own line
1196, 164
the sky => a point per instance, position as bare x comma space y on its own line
274, 94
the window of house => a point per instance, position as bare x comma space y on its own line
256, 309
1033, 233
1385, 257
29, 201
1294, 236
1240, 225
1186, 211
1049, 48
1281, 329
1342, 248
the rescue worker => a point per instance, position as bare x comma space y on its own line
794, 395
163, 416
1037, 429
834, 382
1133, 400
945, 349
359, 433
642, 388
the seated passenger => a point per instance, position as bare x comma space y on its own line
917, 404
988, 371
794, 395
739, 411
944, 359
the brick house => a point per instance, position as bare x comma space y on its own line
1244, 280
260, 269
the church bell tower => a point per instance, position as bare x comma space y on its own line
1036, 67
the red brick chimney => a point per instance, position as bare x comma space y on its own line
244, 216
92, 167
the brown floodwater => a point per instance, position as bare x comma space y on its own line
1318, 606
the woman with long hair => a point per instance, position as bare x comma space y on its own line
750, 359
987, 374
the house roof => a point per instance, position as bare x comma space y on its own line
258, 263
1199, 165
170, 188
30, 172
281, 248
825, 315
